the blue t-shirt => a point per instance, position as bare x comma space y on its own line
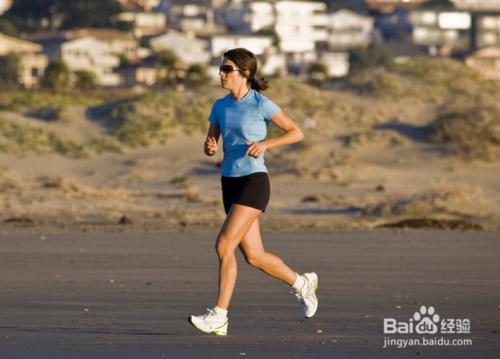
239, 121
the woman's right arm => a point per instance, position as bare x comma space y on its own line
213, 135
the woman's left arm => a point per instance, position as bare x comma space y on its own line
292, 134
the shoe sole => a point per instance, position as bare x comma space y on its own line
214, 332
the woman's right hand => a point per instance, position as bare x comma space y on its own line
210, 146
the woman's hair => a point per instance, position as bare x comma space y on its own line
246, 60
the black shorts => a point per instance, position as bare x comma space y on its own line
252, 190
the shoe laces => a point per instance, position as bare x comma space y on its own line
210, 313
300, 295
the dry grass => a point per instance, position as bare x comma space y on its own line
471, 126
452, 201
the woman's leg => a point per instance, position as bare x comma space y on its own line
255, 255
238, 221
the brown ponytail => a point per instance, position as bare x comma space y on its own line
247, 61
258, 85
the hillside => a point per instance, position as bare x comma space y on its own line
417, 140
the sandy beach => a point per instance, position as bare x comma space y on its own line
127, 295
392, 146
109, 211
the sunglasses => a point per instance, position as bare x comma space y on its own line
228, 69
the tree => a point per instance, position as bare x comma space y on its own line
8, 28
33, 15
167, 60
89, 13
317, 72
360, 59
57, 77
439, 3
9, 71
197, 75
85, 80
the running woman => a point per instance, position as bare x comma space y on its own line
242, 117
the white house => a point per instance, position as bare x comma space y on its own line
487, 30
32, 62
477, 5
84, 53
90, 54
337, 63
119, 42
145, 23
348, 29
439, 27
145, 73
257, 44
194, 17
260, 15
300, 24
273, 62
11, 44
188, 49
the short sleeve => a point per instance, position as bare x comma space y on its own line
268, 108
213, 117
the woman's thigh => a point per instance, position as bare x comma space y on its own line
238, 221
251, 245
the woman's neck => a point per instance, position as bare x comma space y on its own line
240, 92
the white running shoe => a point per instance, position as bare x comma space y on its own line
210, 323
307, 294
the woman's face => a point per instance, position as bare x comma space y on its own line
230, 78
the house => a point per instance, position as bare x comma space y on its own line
297, 24
144, 5
300, 24
337, 63
84, 53
145, 23
194, 17
348, 29
487, 30
119, 42
437, 28
11, 44
188, 48
32, 62
388, 6
273, 62
257, 44
486, 61
477, 5
145, 72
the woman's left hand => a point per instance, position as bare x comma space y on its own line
255, 149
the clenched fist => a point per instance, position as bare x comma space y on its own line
210, 146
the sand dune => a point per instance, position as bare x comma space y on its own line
371, 155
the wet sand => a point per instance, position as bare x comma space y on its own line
127, 295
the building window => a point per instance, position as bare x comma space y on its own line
488, 22
489, 39
34, 72
429, 18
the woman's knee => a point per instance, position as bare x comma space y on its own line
222, 246
254, 259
